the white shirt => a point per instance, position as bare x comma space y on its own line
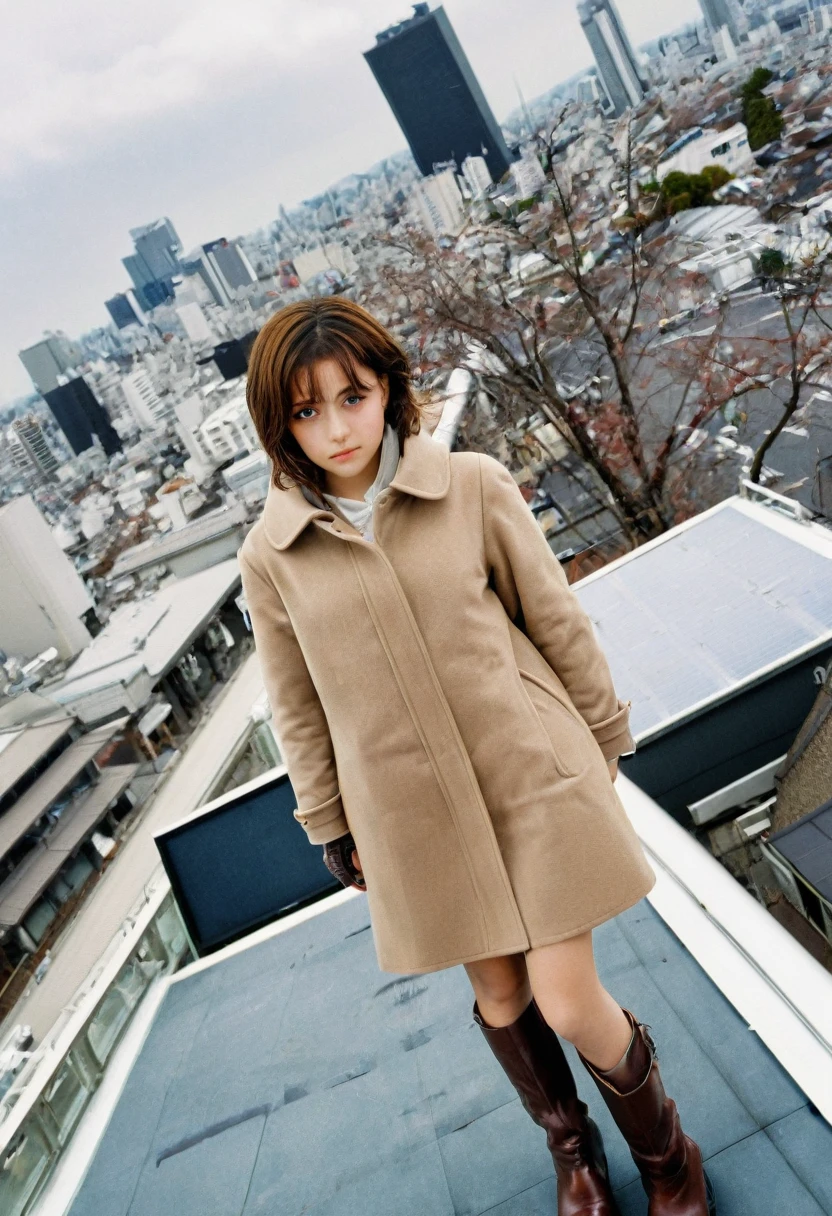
360, 513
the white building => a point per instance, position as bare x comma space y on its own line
190, 414
727, 148
528, 175
29, 449
332, 256
817, 20
195, 323
43, 599
151, 411
477, 176
249, 477
229, 431
724, 46
440, 203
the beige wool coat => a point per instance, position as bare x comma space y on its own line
441, 694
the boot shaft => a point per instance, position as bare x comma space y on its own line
531, 1056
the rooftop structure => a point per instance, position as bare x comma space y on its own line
42, 864
26, 810
22, 747
201, 543
141, 642
715, 628
699, 148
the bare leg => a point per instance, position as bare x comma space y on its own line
532, 1057
575, 1003
501, 986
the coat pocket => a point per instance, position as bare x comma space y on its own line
567, 740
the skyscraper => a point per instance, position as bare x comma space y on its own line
435, 97
223, 267
718, 13
613, 51
154, 263
75, 408
30, 449
49, 360
80, 415
125, 309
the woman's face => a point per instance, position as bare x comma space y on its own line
342, 422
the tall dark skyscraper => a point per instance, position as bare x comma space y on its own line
123, 310
74, 406
425, 75
613, 51
80, 415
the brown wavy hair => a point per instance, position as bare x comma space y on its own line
283, 360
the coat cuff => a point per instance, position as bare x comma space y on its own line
325, 822
613, 734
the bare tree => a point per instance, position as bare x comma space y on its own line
784, 367
568, 334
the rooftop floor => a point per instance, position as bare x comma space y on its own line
293, 1077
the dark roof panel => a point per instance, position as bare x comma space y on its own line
807, 844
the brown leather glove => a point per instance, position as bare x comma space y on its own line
338, 860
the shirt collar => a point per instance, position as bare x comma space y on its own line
423, 470
386, 470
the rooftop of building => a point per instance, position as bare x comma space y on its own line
166, 544
149, 633
51, 784
23, 745
288, 1074
715, 603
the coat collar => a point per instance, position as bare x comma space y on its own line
424, 470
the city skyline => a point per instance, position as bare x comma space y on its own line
107, 129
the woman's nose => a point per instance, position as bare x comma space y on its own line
337, 428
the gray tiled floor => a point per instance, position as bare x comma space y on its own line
295, 1078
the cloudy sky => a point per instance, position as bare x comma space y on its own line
212, 112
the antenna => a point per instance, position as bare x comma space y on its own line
527, 116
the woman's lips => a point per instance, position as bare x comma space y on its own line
344, 455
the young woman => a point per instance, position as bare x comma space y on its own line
452, 733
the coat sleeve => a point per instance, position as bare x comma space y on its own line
536, 595
297, 712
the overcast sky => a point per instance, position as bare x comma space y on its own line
212, 112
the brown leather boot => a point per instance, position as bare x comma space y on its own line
670, 1163
532, 1058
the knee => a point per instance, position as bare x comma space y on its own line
500, 983
568, 1018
